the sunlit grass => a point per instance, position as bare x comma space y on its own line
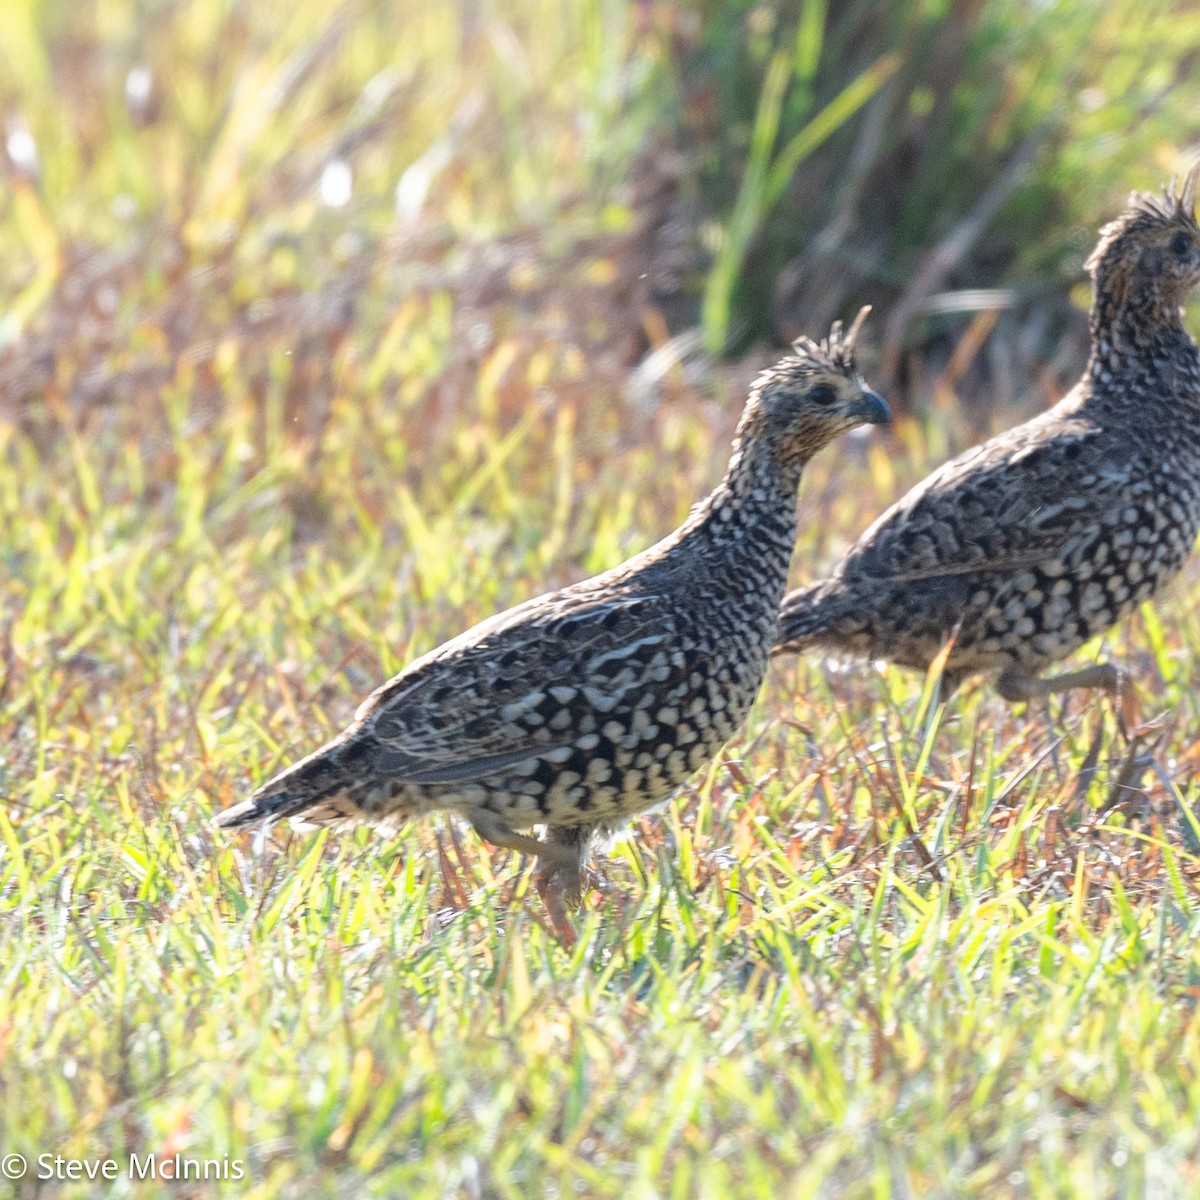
871, 946
880, 948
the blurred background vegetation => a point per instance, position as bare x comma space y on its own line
374, 184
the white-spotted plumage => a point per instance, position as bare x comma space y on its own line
581, 707
1040, 539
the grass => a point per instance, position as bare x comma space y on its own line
248, 468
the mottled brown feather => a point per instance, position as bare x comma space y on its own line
581, 707
1027, 546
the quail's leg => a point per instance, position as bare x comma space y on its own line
1014, 687
492, 828
559, 874
560, 856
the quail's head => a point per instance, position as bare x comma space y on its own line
1148, 259
807, 399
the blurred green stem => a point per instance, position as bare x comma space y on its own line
766, 178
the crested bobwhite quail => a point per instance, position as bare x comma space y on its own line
585, 706
1029, 545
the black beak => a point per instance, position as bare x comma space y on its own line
873, 409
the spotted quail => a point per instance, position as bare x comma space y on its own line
1043, 537
582, 707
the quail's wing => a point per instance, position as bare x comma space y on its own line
518, 685
1016, 500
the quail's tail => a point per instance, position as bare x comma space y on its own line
308, 792
822, 615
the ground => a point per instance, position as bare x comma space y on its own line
876, 946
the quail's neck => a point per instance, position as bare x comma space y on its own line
1128, 348
755, 500
1132, 318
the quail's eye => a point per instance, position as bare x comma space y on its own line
1181, 243
822, 394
